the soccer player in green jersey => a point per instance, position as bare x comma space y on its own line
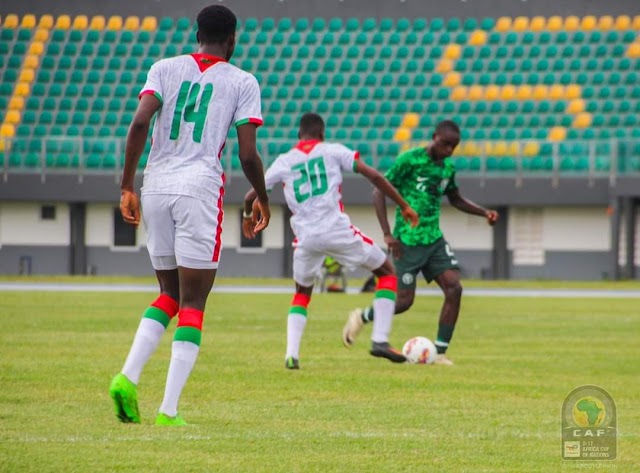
422, 176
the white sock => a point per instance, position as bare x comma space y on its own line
144, 344
384, 309
295, 329
183, 357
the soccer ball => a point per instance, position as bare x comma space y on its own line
420, 350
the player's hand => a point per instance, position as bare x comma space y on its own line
130, 207
393, 245
491, 216
410, 215
262, 214
248, 224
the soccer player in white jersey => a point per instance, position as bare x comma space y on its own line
197, 98
311, 174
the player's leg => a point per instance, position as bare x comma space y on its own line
197, 250
384, 303
443, 268
407, 267
306, 265
157, 316
195, 285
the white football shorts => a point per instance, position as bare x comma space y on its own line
349, 246
182, 231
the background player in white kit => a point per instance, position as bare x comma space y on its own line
312, 175
197, 97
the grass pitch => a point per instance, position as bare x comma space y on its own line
496, 410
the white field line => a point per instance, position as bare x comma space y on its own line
237, 289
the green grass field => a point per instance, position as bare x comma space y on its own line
496, 410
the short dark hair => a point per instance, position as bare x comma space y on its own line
216, 23
447, 125
311, 124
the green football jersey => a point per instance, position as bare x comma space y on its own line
422, 183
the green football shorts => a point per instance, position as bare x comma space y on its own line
431, 260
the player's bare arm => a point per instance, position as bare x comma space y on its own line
467, 206
381, 183
136, 140
254, 172
380, 204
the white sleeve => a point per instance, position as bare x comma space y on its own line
347, 158
153, 85
249, 109
274, 174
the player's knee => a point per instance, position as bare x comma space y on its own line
453, 290
403, 303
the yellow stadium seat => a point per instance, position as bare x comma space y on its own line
16, 103
452, 51
42, 34
12, 117
623, 22
508, 92
573, 92
37, 48
520, 23
571, 23
492, 92
524, 92
445, 65
475, 92
97, 23
402, 134
114, 23
7, 131
500, 148
478, 38
31, 61
576, 106
583, 120
557, 133
11, 21
538, 23
503, 24
605, 22
555, 23
531, 148
63, 22
28, 21
540, 92
149, 23
452, 79
27, 75
80, 22
410, 120
46, 22
459, 93
556, 92
132, 23
634, 50
589, 22
636, 22
467, 148
513, 148
22, 89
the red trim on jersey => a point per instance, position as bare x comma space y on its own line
189, 317
224, 143
146, 92
388, 282
356, 156
218, 246
340, 204
301, 300
365, 238
306, 145
205, 61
